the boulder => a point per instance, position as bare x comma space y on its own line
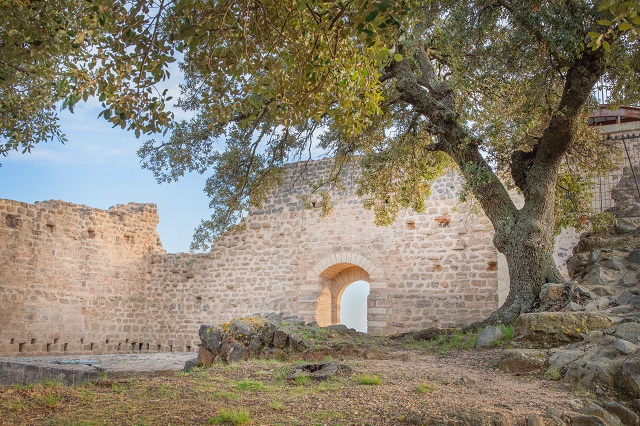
624, 346
629, 331
624, 414
628, 298
205, 358
559, 359
242, 330
594, 369
522, 360
551, 329
490, 336
631, 376
599, 412
211, 338
280, 337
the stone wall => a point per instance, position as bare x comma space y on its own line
71, 276
100, 281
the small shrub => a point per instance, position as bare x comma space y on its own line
425, 388
250, 385
232, 416
368, 379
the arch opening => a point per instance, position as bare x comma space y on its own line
353, 303
334, 280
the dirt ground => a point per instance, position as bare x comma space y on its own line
413, 388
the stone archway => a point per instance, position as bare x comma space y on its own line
331, 276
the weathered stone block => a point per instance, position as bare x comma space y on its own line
550, 329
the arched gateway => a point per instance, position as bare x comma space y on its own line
333, 274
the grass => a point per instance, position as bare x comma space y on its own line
553, 374
301, 380
250, 385
368, 379
230, 396
276, 405
425, 388
233, 416
507, 330
49, 400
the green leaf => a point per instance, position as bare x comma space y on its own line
604, 22
397, 57
606, 46
624, 26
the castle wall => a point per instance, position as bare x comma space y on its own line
70, 276
438, 268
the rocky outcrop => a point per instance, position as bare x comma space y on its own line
265, 336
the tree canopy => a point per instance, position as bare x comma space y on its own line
497, 88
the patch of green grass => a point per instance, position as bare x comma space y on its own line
250, 385
49, 400
21, 387
447, 341
51, 383
368, 379
301, 380
232, 416
507, 330
166, 391
276, 405
553, 374
230, 396
425, 387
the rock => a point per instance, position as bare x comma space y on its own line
629, 279
236, 353
266, 333
375, 353
550, 329
190, 365
464, 417
624, 346
593, 369
629, 331
490, 336
631, 376
634, 256
599, 412
543, 420
319, 371
597, 304
585, 420
522, 360
280, 337
551, 293
560, 358
341, 328
624, 414
573, 307
205, 358
241, 330
600, 275
628, 298
298, 344
211, 338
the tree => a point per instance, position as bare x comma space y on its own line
496, 88
57, 52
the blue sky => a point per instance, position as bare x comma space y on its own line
99, 167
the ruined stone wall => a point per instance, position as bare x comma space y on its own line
438, 268
71, 275
99, 281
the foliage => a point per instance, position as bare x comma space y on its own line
63, 51
425, 388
